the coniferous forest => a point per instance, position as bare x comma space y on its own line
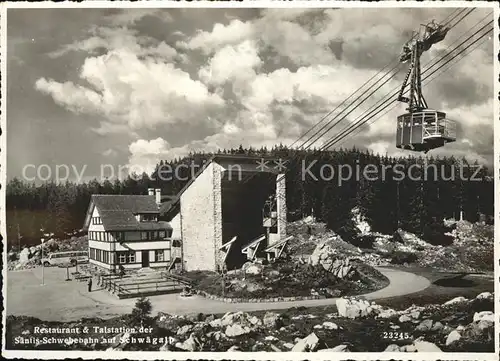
387, 199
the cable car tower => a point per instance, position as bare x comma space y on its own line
421, 129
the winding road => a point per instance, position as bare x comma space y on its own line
68, 301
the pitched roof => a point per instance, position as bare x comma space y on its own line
246, 163
133, 203
118, 212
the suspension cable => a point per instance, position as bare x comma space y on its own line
388, 95
427, 83
316, 136
367, 117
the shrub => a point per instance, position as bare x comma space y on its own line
400, 257
141, 314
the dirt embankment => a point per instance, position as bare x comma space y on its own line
30, 257
471, 248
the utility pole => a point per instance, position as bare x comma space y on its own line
18, 238
43, 266
397, 204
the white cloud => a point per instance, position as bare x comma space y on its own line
140, 93
233, 33
293, 41
321, 59
77, 98
118, 38
232, 62
145, 154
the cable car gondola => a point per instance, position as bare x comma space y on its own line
421, 129
424, 130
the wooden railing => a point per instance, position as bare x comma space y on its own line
127, 286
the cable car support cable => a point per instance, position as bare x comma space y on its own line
304, 145
364, 118
373, 120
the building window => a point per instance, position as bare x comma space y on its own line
159, 255
96, 220
126, 257
119, 236
161, 234
147, 217
144, 236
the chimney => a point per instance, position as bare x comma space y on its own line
158, 195
151, 192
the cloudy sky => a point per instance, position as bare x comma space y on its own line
125, 87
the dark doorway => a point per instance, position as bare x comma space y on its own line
145, 258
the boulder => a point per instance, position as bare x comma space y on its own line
272, 320
217, 335
330, 325
453, 337
484, 295
425, 346
184, 330
484, 325
360, 221
425, 325
240, 317
415, 315
353, 308
456, 300
308, 343
191, 344
392, 348
237, 330
484, 316
404, 318
437, 326
252, 268
387, 313
216, 323
326, 255
271, 338
408, 348
24, 256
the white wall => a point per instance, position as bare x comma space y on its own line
95, 227
199, 221
176, 225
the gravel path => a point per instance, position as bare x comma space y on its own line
60, 300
